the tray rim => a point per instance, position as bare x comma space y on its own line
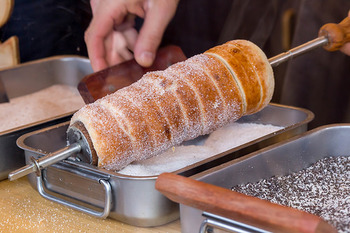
41, 60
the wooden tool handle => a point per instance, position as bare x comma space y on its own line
237, 206
337, 34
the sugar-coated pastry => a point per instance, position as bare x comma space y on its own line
188, 99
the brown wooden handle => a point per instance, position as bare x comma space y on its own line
337, 34
237, 206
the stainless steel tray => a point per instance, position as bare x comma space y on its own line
279, 159
28, 78
133, 199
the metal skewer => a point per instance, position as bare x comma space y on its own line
304, 48
79, 147
331, 36
43, 162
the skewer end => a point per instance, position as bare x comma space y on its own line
21, 172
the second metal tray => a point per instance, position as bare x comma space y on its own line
279, 159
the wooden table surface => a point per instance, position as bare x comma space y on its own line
22, 209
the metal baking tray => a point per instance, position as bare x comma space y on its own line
133, 199
28, 78
280, 159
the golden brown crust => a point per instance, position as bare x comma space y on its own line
260, 64
226, 85
161, 88
205, 90
134, 123
189, 104
246, 78
160, 132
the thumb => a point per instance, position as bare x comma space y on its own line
157, 19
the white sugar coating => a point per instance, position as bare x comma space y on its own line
216, 113
182, 74
225, 86
152, 116
137, 127
189, 103
159, 89
201, 62
322, 189
103, 137
205, 89
47, 103
225, 82
230, 136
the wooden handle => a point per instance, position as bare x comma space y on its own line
237, 206
337, 34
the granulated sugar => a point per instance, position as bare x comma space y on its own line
230, 136
47, 103
322, 189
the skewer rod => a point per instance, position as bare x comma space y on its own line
41, 163
283, 57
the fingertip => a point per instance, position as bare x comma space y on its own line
145, 58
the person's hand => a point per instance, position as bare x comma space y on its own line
111, 37
346, 47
